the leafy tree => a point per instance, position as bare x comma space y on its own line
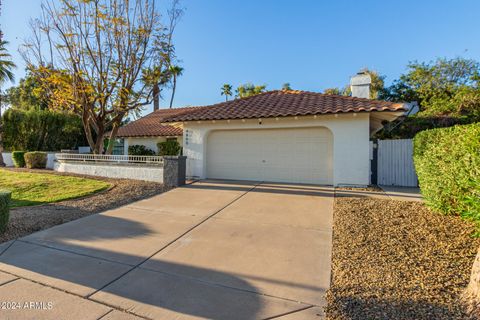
249, 89
28, 94
6, 67
442, 87
42, 130
175, 72
286, 86
335, 91
377, 87
448, 93
100, 59
226, 91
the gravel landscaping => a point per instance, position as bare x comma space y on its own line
397, 260
26, 220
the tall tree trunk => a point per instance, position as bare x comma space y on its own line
173, 90
471, 296
156, 97
2, 163
88, 132
111, 141
98, 147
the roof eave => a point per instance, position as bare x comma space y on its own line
403, 109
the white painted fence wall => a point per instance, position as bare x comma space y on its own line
7, 159
110, 170
395, 163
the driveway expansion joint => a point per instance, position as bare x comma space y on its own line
216, 284
173, 241
73, 252
70, 293
9, 281
213, 214
8, 247
291, 312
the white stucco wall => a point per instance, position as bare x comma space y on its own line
149, 142
145, 173
7, 158
351, 163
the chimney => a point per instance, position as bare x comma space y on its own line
360, 85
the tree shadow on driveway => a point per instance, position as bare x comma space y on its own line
109, 271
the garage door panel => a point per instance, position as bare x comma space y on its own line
277, 155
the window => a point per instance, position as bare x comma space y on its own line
118, 146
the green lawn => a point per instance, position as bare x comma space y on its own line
30, 189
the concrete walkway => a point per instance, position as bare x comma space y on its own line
210, 250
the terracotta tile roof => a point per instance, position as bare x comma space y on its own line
151, 124
282, 103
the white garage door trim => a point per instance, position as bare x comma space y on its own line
297, 155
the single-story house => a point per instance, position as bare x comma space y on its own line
278, 136
150, 130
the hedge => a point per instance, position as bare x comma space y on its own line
5, 197
41, 130
169, 148
18, 158
36, 160
447, 162
140, 150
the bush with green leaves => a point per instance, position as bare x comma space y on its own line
5, 197
36, 160
42, 130
140, 150
169, 148
18, 158
447, 162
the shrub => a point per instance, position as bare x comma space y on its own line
36, 159
448, 167
18, 158
169, 148
41, 130
5, 197
140, 150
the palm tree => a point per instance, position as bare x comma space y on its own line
226, 90
175, 71
6, 66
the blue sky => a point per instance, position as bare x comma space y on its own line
312, 44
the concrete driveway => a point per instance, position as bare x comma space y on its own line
210, 250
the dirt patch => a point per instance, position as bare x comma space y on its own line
26, 220
398, 260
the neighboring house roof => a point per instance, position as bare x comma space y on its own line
282, 103
151, 125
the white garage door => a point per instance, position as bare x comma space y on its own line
277, 155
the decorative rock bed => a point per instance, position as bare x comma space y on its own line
398, 260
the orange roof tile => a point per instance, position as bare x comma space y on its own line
151, 125
282, 103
